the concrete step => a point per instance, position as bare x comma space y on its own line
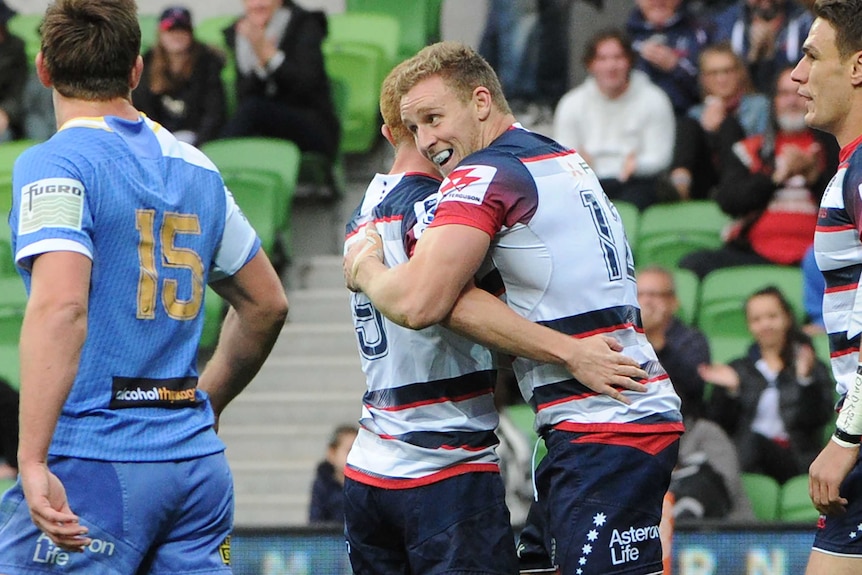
329, 305
304, 339
318, 372
268, 510
275, 476
272, 442
293, 408
318, 271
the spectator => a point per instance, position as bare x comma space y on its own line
327, 491
619, 121
668, 42
8, 430
768, 34
771, 184
681, 349
774, 401
13, 77
282, 87
729, 104
181, 87
39, 121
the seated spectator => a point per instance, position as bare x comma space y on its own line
813, 286
767, 34
282, 87
327, 499
771, 184
8, 431
619, 121
774, 401
181, 87
668, 41
13, 77
702, 137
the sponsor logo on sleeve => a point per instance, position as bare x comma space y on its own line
139, 392
425, 211
467, 184
51, 203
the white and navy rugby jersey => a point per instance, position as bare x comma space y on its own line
838, 250
561, 251
155, 218
428, 411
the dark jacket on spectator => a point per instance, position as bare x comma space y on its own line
13, 78
327, 496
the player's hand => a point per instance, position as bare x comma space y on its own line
597, 363
826, 475
49, 509
370, 247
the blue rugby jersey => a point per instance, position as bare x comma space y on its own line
154, 217
428, 412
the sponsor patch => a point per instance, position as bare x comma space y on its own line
224, 550
51, 203
467, 184
139, 392
425, 211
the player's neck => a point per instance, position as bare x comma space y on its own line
409, 159
496, 125
70, 108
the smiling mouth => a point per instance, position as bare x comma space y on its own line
441, 158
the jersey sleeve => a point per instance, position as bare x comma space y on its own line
52, 204
239, 243
489, 191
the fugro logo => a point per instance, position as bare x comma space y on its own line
47, 553
51, 203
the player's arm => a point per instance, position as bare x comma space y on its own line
840, 454
258, 308
594, 361
422, 291
52, 335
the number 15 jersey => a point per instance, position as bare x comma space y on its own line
155, 218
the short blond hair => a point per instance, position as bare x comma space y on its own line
461, 68
390, 105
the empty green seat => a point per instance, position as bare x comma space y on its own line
257, 194
10, 364
763, 492
9, 152
149, 24
795, 505
724, 291
13, 301
631, 222
5, 485
667, 232
379, 30
214, 310
687, 294
417, 20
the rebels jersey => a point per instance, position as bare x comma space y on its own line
561, 251
428, 412
838, 250
154, 217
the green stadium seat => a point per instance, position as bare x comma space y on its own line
667, 232
5, 485
13, 301
379, 30
210, 30
631, 221
9, 152
723, 293
763, 492
26, 27
149, 24
270, 157
10, 364
795, 505
726, 348
324, 175
7, 263
214, 311
434, 10
687, 294
416, 20
258, 196
357, 68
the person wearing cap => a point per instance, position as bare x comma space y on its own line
13, 77
282, 87
181, 87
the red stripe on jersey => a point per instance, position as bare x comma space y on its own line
651, 442
828, 229
836, 289
541, 406
401, 483
547, 156
608, 329
433, 401
843, 352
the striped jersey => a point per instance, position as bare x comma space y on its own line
564, 261
428, 412
155, 219
838, 251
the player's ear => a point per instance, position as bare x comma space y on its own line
42, 72
137, 71
387, 133
483, 102
856, 69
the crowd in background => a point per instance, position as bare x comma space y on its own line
685, 100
